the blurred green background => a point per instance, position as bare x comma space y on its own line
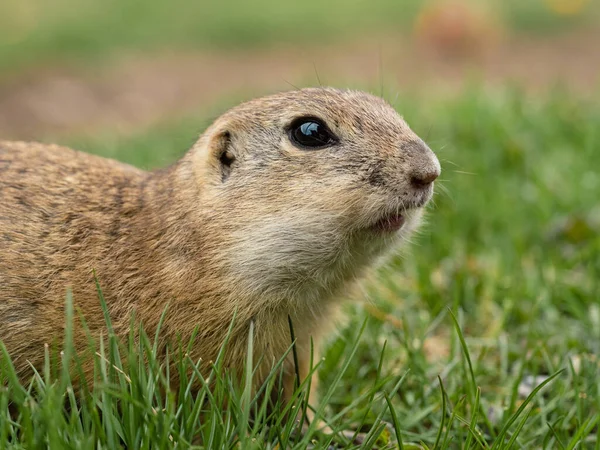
36, 31
77, 67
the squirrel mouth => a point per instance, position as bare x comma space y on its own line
389, 224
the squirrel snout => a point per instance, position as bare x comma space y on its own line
423, 165
426, 167
423, 178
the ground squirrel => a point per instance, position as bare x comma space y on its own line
280, 203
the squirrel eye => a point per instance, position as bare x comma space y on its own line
310, 133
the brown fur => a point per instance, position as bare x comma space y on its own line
280, 232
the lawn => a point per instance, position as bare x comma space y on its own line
39, 33
510, 256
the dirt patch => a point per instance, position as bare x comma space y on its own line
135, 92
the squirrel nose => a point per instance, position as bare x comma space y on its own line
424, 178
425, 167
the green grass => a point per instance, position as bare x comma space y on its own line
498, 294
40, 32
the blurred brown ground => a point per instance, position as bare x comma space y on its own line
135, 91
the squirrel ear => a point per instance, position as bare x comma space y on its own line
222, 152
